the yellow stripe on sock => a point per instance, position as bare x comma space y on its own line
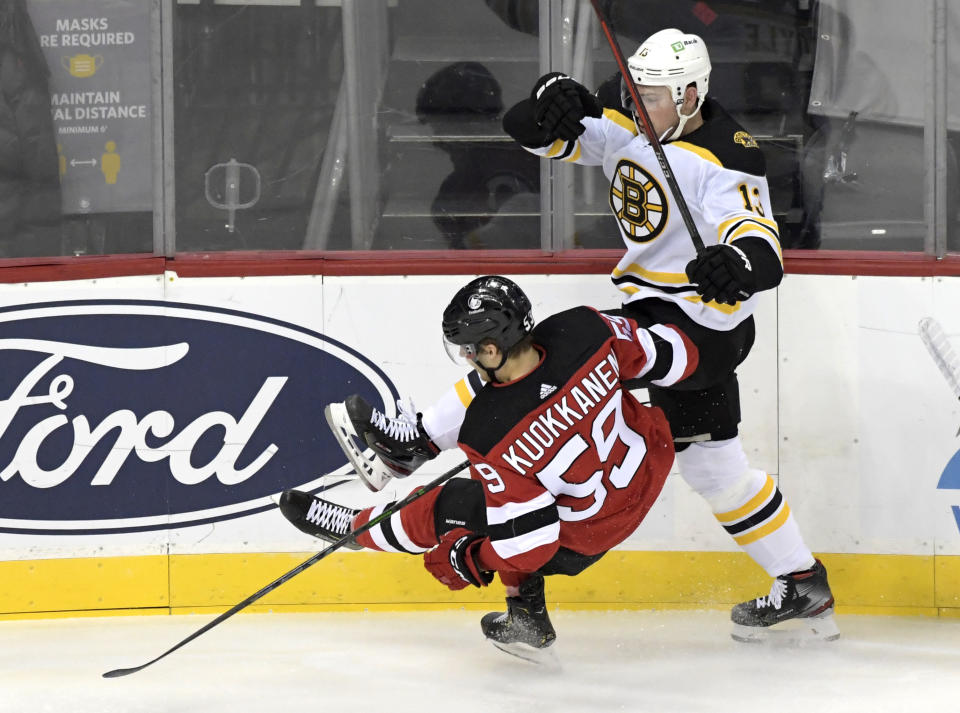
755, 502
760, 532
463, 391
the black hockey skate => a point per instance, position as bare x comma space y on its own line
802, 597
523, 630
318, 517
399, 445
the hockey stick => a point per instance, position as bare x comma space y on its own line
388, 512
648, 128
936, 342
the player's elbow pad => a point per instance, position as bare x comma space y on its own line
765, 263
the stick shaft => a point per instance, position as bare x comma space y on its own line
388, 512
648, 130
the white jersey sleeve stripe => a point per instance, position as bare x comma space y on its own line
510, 511
546, 535
396, 524
377, 533
645, 340
679, 365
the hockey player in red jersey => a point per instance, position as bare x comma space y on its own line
710, 296
565, 462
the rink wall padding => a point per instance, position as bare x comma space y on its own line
214, 377
181, 584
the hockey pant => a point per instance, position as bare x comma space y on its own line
458, 503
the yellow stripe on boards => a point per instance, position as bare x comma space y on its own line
948, 582
752, 504
350, 581
84, 583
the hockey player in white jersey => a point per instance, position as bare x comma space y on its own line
710, 297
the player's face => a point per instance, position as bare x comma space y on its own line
487, 356
659, 105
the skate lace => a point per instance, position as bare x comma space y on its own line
403, 428
775, 598
331, 517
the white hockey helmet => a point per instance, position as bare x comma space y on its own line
674, 59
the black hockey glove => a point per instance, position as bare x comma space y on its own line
453, 563
722, 273
560, 103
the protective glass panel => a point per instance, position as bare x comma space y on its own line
952, 198
256, 88
865, 182
366, 125
834, 99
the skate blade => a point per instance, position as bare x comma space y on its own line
364, 462
546, 657
794, 632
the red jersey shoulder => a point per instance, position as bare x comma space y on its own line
574, 344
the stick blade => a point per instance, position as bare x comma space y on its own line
118, 672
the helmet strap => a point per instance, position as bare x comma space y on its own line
492, 373
670, 135
684, 118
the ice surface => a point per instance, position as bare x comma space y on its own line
667, 662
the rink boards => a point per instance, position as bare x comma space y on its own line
148, 421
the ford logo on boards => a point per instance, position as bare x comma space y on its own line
119, 416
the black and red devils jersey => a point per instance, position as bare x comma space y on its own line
567, 456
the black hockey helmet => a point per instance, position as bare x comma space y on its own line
490, 308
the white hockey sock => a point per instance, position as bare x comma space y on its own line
442, 420
748, 505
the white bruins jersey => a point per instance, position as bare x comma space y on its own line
721, 173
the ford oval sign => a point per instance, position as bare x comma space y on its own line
127, 415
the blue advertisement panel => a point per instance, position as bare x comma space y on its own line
134, 415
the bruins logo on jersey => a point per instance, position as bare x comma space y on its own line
745, 140
639, 202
